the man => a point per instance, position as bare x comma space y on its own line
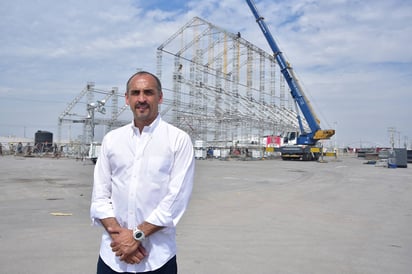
142, 185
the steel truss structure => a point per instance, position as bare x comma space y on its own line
88, 112
223, 88
217, 86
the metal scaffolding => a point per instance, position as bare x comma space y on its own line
223, 88
217, 86
84, 113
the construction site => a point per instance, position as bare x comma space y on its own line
220, 88
232, 98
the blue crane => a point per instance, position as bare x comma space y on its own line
316, 133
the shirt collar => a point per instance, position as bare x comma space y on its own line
147, 129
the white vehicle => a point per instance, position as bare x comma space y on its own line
200, 150
94, 152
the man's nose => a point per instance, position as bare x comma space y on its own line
141, 97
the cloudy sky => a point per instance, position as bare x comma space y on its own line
353, 57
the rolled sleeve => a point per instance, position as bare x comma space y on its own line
173, 205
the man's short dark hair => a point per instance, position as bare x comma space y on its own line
142, 72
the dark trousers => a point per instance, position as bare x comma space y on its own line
168, 268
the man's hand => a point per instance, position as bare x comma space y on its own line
136, 257
125, 246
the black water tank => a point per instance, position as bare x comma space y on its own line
43, 137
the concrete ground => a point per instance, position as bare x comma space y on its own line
267, 216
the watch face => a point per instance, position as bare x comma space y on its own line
138, 235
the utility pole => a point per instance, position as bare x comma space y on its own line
91, 108
391, 131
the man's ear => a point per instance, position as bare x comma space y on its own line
126, 98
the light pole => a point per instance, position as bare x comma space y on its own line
91, 108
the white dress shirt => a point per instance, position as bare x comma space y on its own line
143, 177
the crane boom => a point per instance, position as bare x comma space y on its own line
305, 138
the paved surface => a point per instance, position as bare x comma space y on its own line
267, 216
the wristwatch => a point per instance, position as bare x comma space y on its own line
138, 235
